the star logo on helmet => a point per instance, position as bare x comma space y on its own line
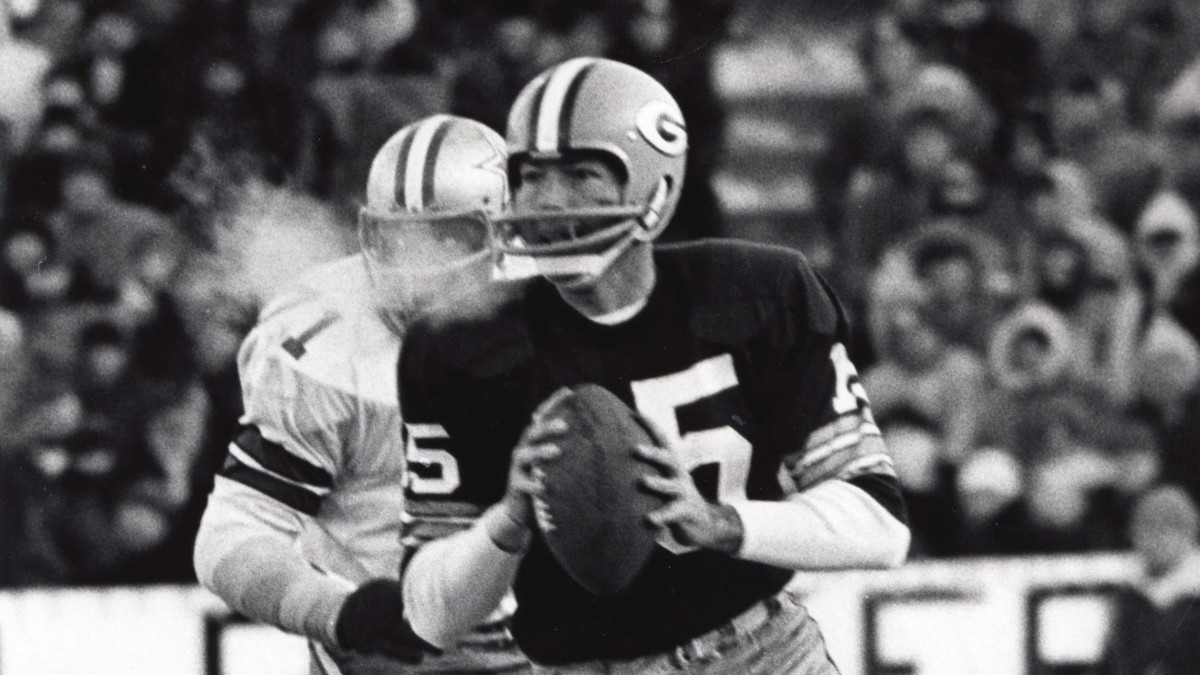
495, 164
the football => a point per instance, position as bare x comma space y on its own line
592, 511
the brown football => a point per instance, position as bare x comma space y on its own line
592, 515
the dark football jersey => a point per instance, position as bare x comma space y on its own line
738, 354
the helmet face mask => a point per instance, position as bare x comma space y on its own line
424, 229
601, 109
423, 245
567, 243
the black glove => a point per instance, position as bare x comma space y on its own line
372, 622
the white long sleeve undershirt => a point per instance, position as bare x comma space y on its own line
833, 525
453, 584
246, 554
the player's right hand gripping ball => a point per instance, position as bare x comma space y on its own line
592, 511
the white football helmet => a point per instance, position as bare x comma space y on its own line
424, 228
593, 105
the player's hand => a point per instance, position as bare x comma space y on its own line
536, 447
691, 520
371, 621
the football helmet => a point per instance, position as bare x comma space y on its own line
424, 227
599, 107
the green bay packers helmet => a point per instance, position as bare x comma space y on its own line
430, 191
593, 106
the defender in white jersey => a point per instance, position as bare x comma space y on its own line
304, 526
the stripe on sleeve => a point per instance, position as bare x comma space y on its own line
243, 457
275, 458
283, 492
862, 450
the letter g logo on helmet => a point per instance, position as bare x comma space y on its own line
661, 126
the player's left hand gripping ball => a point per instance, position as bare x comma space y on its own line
691, 520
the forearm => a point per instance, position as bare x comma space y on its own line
833, 525
245, 554
452, 585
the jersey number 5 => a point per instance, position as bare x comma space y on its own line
659, 399
431, 470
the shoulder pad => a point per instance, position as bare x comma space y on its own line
325, 341
731, 322
734, 269
741, 288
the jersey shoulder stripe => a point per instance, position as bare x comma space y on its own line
275, 458
290, 495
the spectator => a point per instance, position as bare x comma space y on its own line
924, 479
95, 228
883, 206
957, 268
1107, 317
923, 374
34, 275
23, 64
1168, 249
1000, 56
1137, 46
160, 511
938, 118
103, 368
891, 58
1156, 628
12, 339
1083, 460
677, 47
373, 77
35, 177
489, 78
134, 67
1092, 131
1167, 373
990, 499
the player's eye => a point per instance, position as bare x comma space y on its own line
584, 172
530, 174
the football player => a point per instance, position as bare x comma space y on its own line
303, 529
769, 459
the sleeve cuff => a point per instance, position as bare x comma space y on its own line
759, 521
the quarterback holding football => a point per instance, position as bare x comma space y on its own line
728, 399
304, 526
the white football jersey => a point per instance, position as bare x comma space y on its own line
321, 430
322, 434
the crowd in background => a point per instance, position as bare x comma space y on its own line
1014, 210
1012, 206
140, 139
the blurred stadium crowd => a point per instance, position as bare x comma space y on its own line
1012, 210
